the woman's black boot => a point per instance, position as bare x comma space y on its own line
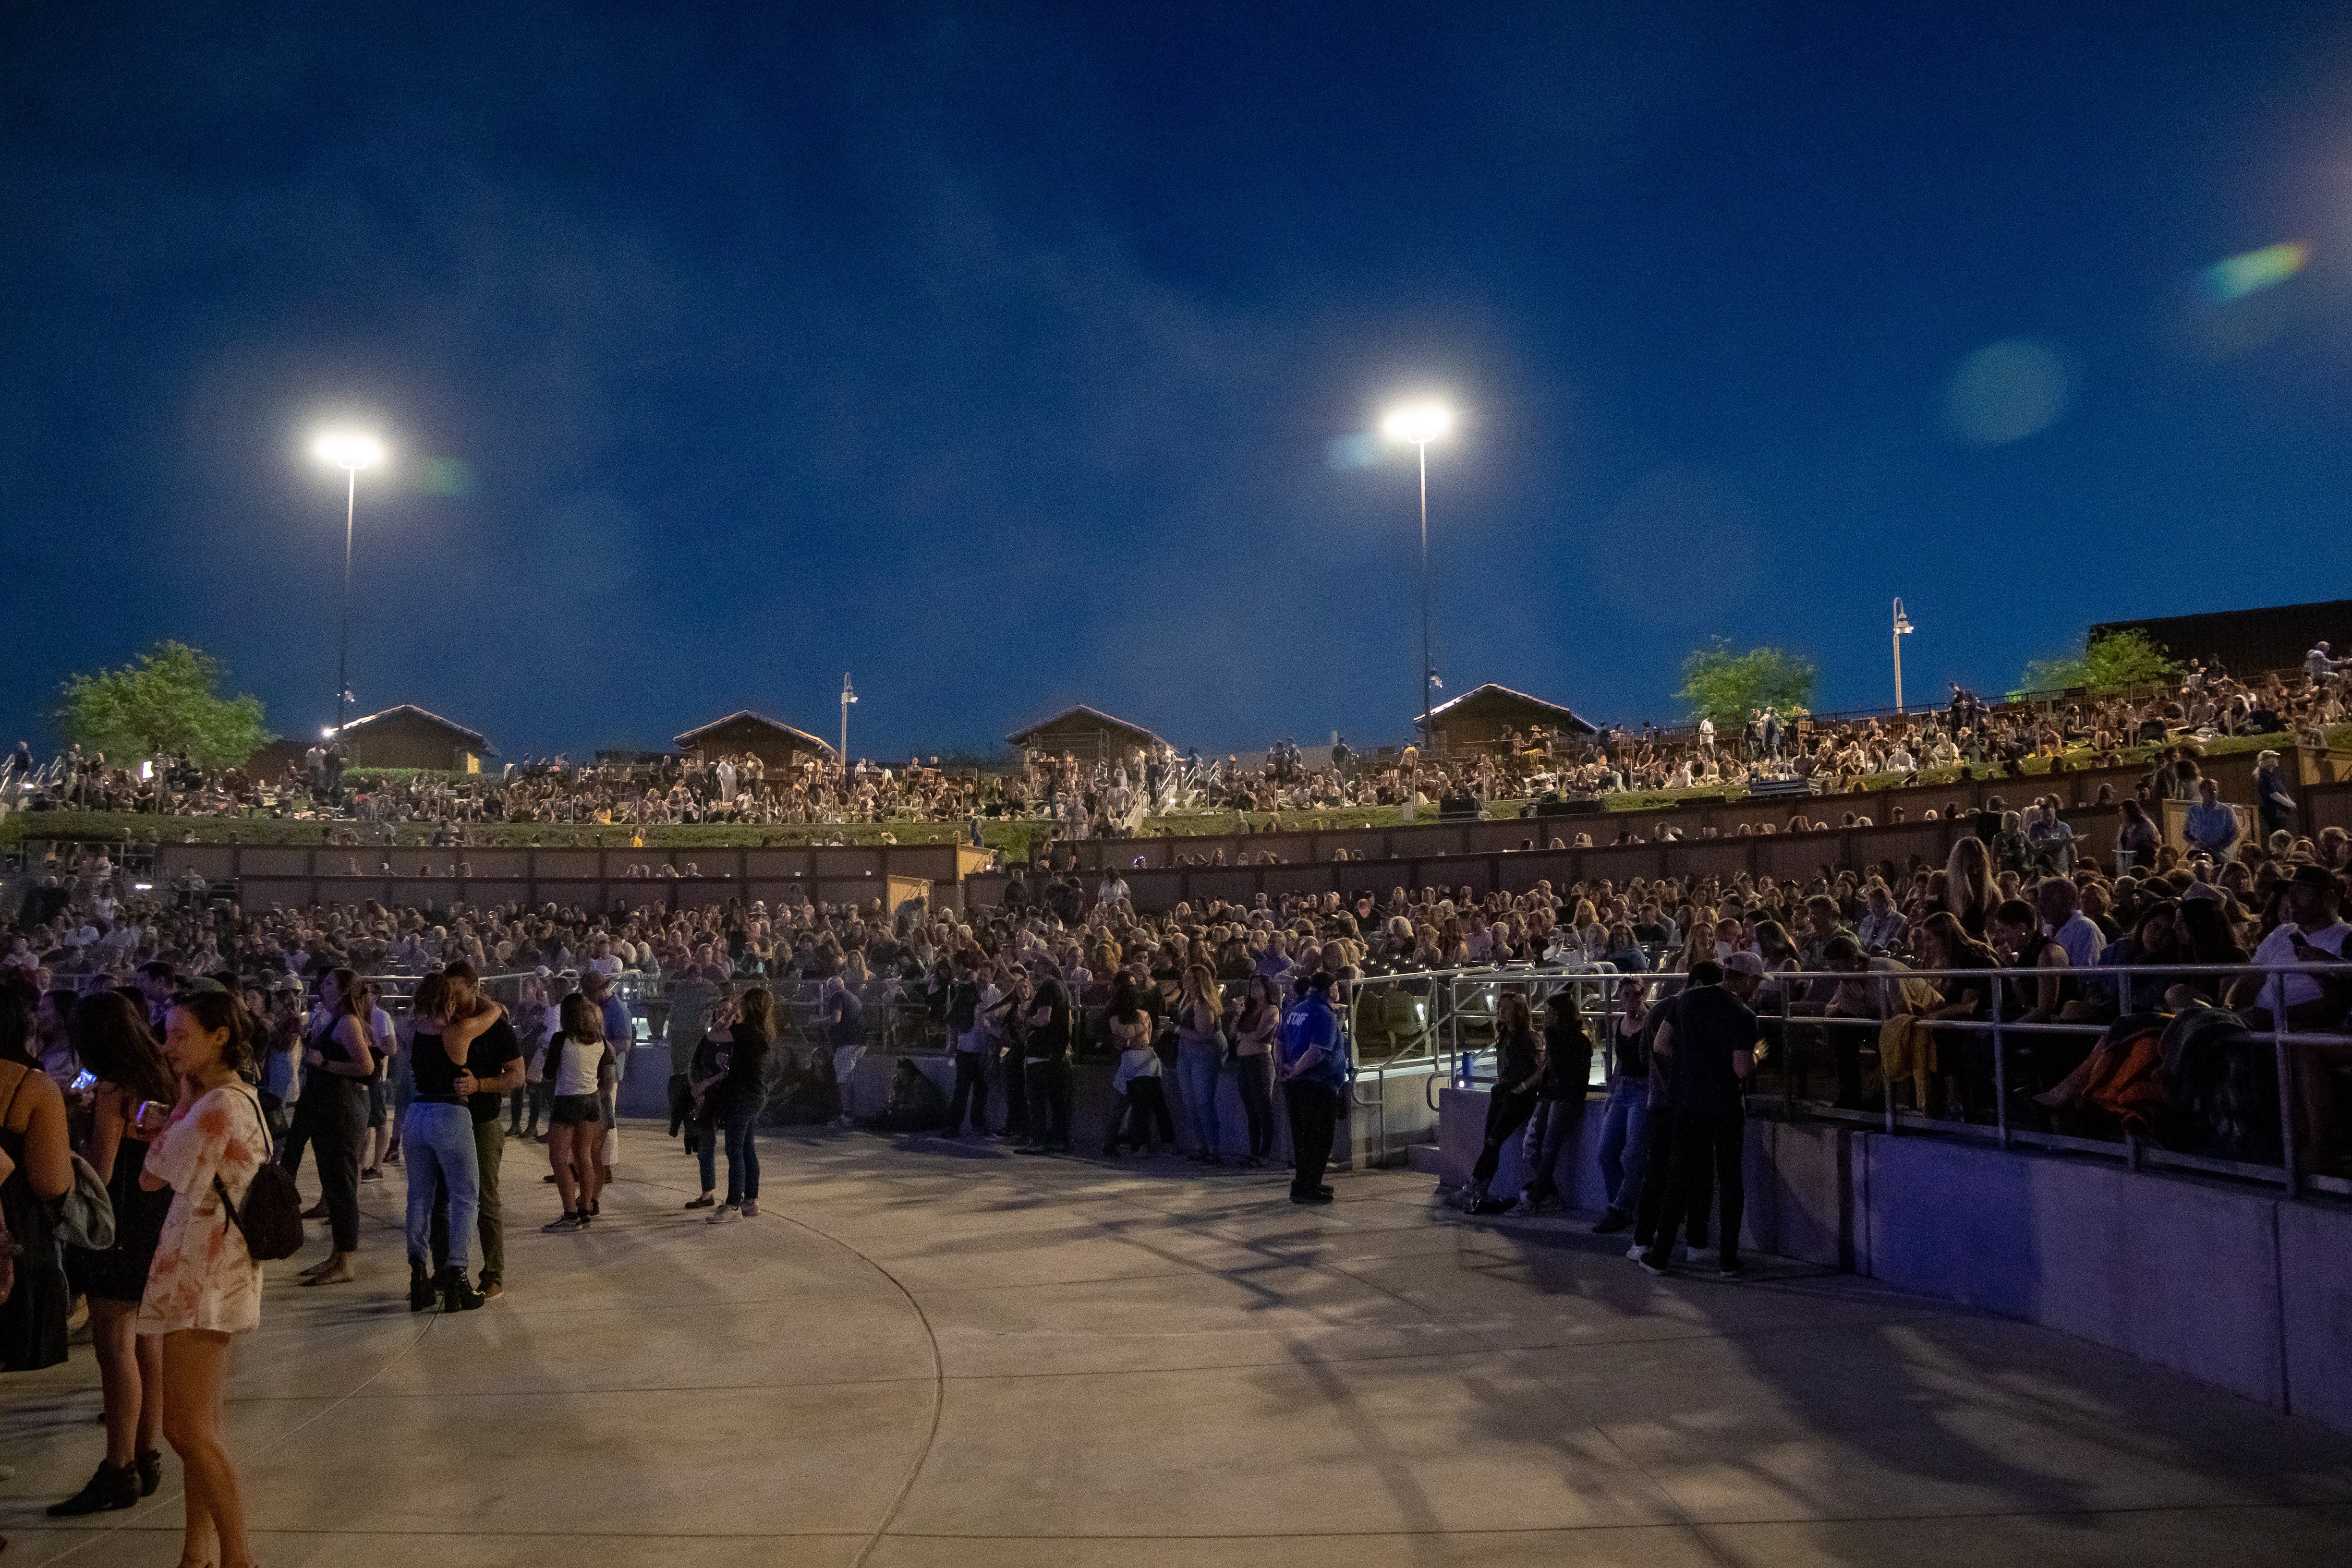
111, 1488
421, 1293
151, 1471
457, 1293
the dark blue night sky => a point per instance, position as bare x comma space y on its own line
1008, 356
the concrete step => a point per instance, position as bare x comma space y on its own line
1422, 1157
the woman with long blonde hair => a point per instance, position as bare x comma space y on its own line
1968, 891
1200, 1057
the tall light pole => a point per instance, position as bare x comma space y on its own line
349, 451
1421, 424
847, 696
1902, 629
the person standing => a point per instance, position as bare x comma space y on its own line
111, 1036
576, 1064
37, 1155
204, 1287
493, 1063
732, 1105
438, 1151
1710, 1045
2271, 797
844, 1014
1561, 1092
620, 1035
1201, 1054
1312, 1063
339, 1063
1254, 1030
1045, 1068
1625, 1118
967, 1043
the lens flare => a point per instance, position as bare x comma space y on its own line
2008, 391
2232, 280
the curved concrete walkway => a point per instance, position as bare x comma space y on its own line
947, 1356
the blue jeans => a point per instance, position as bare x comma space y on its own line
742, 1153
1197, 1069
1551, 1133
1625, 1143
437, 1144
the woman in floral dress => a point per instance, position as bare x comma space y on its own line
204, 1286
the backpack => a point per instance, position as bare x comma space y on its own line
86, 1213
271, 1221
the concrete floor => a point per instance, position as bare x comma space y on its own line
948, 1356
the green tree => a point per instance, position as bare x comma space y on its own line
1725, 686
168, 700
2118, 659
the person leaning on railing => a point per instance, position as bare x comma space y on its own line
2312, 933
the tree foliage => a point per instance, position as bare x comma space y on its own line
2118, 659
168, 700
1725, 686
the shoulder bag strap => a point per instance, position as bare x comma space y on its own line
228, 1204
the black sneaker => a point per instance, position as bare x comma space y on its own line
1611, 1223
1318, 1195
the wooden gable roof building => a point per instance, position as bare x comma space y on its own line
1484, 718
1087, 734
409, 737
771, 740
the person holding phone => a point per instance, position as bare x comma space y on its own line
133, 1097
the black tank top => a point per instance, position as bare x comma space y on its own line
436, 1074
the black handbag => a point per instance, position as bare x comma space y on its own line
271, 1220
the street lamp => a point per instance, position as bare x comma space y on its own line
1421, 424
847, 696
351, 451
1902, 629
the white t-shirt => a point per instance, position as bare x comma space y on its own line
2278, 947
576, 1064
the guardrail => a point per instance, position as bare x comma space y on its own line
1452, 1033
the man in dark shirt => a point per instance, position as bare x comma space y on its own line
1709, 1047
493, 1070
1045, 1069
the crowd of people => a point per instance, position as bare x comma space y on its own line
169, 1041
1155, 789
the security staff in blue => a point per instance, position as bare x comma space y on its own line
1311, 1059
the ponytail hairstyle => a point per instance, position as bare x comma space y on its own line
214, 1010
357, 999
581, 1020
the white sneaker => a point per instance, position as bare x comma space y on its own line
722, 1214
1635, 1252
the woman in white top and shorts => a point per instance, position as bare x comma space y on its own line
578, 1063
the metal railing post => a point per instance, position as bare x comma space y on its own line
2291, 1179
2000, 1069
1788, 1062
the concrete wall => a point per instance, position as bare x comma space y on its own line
2233, 1286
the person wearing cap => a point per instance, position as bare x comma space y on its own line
1709, 1046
